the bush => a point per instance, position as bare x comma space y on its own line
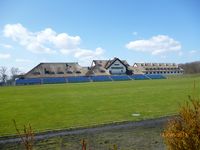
27, 137
183, 131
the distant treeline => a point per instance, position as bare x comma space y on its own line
191, 68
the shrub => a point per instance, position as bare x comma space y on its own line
183, 131
27, 137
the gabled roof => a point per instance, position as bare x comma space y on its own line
106, 63
115, 59
58, 65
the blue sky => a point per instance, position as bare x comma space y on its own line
75, 30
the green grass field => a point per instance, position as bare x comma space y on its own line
61, 106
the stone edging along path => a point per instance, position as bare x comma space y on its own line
100, 128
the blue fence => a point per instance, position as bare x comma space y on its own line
86, 79
155, 76
139, 77
78, 79
120, 78
28, 81
53, 80
100, 78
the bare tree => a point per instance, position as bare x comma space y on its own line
191, 68
14, 72
3, 74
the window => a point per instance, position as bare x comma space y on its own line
51, 72
69, 72
60, 72
48, 72
116, 67
78, 71
102, 71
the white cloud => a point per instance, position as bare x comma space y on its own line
193, 52
88, 54
7, 46
48, 41
155, 45
45, 41
4, 56
85, 56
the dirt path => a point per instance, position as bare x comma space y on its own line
104, 128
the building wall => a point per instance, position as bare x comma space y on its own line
117, 68
164, 72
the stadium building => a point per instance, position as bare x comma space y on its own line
101, 67
100, 70
158, 68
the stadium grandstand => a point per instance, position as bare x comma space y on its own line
100, 70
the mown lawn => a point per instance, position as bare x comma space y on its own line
61, 106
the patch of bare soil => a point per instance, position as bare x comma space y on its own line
141, 135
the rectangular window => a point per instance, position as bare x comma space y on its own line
116, 67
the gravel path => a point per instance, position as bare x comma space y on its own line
103, 128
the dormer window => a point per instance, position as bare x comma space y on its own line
69, 72
78, 71
60, 72
51, 72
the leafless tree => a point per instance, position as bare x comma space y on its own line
14, 72
191, 68
3, 74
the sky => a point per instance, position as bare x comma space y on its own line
34, 31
